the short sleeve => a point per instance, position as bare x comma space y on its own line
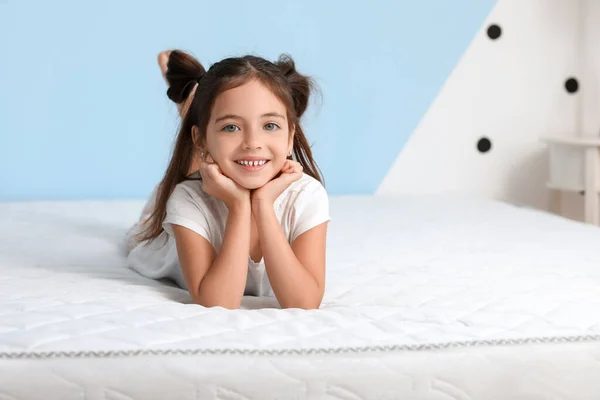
186, 209
311, 208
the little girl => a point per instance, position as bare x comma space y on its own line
241, 209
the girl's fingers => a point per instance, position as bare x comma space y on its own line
293, 167
209, 169
213, 171
204, 170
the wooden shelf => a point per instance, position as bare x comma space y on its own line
573, 141
574, 165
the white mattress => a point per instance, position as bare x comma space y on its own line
427, 298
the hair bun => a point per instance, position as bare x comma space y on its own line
183, 72
301, 85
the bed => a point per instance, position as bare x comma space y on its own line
428, 297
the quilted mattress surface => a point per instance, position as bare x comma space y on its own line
428, 297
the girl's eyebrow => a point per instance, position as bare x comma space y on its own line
273, 114
233, 116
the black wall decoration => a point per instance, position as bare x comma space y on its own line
484, 145
571, 85
494, 31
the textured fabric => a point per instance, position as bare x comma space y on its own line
427, 298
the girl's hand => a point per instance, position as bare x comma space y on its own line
220, 186
267, 194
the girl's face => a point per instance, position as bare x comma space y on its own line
249, 123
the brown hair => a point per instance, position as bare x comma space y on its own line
184, 72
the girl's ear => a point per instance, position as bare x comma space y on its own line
196, 137
198, 144
291, 145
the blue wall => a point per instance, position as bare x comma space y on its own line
83, 111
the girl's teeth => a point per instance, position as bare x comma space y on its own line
251, 163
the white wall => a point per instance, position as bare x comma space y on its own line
510, 90
588, 122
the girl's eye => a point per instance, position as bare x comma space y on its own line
272, 125
227, 128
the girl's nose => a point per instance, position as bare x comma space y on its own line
252, 139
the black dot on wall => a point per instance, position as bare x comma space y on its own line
572, 85
494, 31
484, 145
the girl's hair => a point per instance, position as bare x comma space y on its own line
184, 72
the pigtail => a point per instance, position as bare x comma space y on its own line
301, 87
183, 72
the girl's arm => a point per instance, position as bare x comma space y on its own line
296, 272
217, 280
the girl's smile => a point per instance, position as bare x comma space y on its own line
252, 165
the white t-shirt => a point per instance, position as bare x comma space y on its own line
302, 206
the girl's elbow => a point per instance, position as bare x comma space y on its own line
310, 306
213, 301
223, 304
303, 304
